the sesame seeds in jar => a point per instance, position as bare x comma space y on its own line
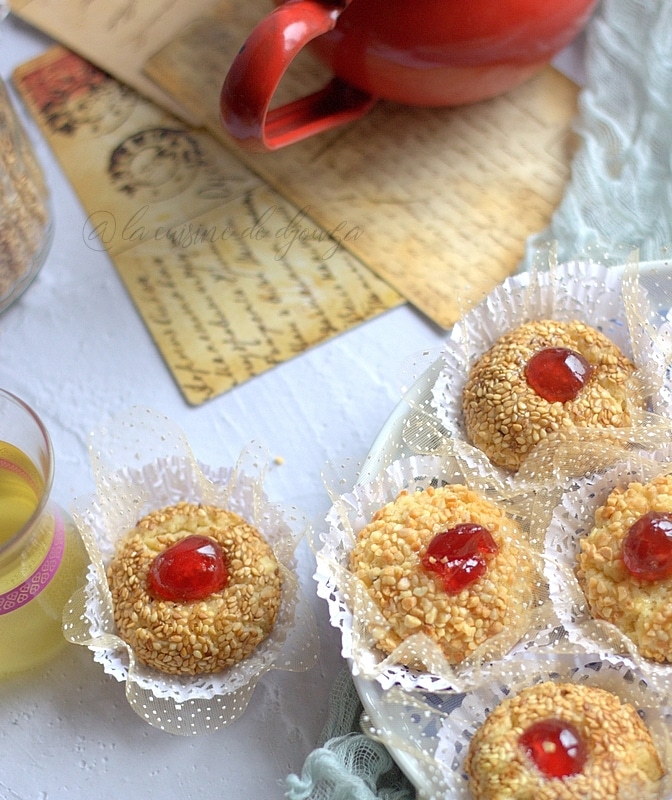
25, 218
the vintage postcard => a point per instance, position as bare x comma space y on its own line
117, 35
230, 277
448, 196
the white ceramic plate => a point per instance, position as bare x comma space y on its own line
412, 415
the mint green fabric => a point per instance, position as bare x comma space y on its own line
619, 197
348, 765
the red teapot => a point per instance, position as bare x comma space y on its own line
415, 52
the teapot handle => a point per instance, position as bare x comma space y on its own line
260, 64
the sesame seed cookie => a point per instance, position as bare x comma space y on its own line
621, 762
506, 418
642, 609
388, 559
198, 636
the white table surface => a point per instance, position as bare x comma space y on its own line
76, 350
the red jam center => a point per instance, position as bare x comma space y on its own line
557, 373
191, 569
647, 547
457, 555
555, 747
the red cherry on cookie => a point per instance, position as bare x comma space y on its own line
555, 747
457, 555
191, 569
557, 373
647, 547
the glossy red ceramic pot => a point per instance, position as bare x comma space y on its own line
416, 52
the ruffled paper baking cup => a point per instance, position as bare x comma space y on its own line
458, 727
143, 462
359, 619
623, 303
435, 730
574, 518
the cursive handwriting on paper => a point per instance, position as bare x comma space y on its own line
232, 306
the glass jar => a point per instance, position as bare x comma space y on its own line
25, 212
42, 557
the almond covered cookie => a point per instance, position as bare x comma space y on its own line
563, 741
450, 564
195, 589
625, 565
540, 379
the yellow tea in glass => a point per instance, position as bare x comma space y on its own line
42, 558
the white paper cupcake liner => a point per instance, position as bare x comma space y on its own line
435, 730
615, 301
354, 613
142, 462
458, 728
573, 518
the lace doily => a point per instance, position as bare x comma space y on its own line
142, 462
574, 517
615, 301
354, 613
457, 728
